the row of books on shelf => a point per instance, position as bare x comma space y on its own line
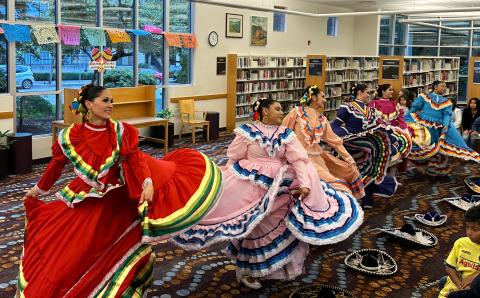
350, 75
414, 80
333, 104
426, 64
351, 62
265, 74
450, 90
246, 62
344, 89
249, 99
256, 86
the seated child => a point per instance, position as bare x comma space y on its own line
463, 262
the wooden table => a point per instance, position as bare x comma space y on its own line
137, 122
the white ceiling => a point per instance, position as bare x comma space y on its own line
369, 5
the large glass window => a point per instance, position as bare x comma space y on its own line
332, 26
79, 12
35, 70
421, 35
180, 59
3, 65
35, 113
75, 70
3, 9
35, 10
476, 52
385, 30
36, 65
122, 75
455, 38
384, 50
476, 38
279, 20
423, 51
118, 13
400, 30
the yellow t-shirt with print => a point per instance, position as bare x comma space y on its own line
465, 258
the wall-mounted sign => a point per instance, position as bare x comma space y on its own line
315, 67
221, 65
391, 69
476, 72
101, 60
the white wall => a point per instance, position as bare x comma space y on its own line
366, 34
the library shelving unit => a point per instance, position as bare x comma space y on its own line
338, 76
250, 77
342, 73
418, 72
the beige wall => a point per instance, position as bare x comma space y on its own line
365, 40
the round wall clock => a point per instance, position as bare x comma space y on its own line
213, 38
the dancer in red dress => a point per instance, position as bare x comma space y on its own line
94, 241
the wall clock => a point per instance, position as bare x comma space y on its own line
213, 38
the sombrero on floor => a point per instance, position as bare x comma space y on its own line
323, 291
371, 261
473, 184
413, 235
431, 218
464, 202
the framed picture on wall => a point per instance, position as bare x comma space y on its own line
258, 31
234, 25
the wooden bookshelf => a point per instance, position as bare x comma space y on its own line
250, 77
418, 72
340, 73
473, 88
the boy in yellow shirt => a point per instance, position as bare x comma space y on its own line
463, 262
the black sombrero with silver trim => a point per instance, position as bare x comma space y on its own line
464, 202
473, 184
431, 218
323, 291
413, 234
371, 261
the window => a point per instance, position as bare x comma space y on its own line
180, 59
279, 20
35, 10
476, 38
332, 26
118, 14
79, 12
455, 38
384, 50
3, 65
423, 51
476, 52
122, 75
3, 9
399, 51
421, 35
36, 70
385, 30
400, 30
75, 70
35, 113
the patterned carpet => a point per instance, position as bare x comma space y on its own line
209, 274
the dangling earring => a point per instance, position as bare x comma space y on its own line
88, 115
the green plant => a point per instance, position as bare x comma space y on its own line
4, 142
166, 114
124, 78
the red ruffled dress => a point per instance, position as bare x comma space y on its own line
94, 241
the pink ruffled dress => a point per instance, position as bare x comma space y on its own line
267, 229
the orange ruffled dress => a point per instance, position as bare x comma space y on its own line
312, 128
94, 241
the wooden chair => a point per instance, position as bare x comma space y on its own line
187, 114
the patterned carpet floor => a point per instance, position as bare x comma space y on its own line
208, 273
